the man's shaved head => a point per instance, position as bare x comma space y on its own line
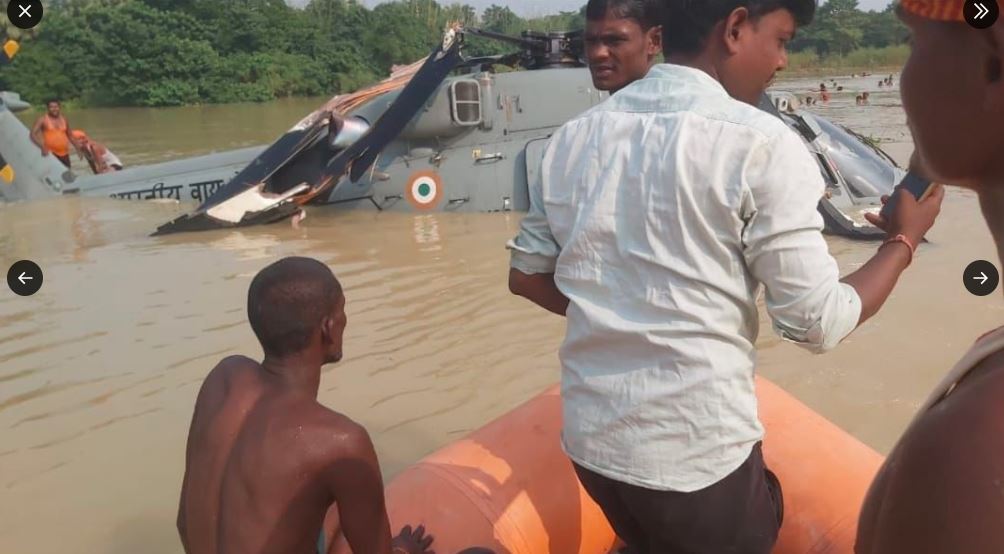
288, 303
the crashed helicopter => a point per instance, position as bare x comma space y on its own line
452, 134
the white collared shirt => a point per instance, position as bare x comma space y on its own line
660, 213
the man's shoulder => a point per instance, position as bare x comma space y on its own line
948, 467
227, 376
965, 422
722, 111
335, 433
979, 391
737, 114
232, 366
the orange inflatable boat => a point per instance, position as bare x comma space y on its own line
509, 487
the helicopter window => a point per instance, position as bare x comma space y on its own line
466, 105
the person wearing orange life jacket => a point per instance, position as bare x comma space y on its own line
51, 133
99, 157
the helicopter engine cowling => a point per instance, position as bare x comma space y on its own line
455, 108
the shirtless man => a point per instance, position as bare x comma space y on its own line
941, 491
265, 460
51, 133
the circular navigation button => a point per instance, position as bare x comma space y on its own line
981, 14
24, 278
24, 14
981, 278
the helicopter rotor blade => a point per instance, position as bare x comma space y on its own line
360, 156
518, 41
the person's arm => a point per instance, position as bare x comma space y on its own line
73, 142
534, 257
540, 289
785, 250
97, 152
201, 400
36, 136
356, 486
182, 521
69, 131
875, 280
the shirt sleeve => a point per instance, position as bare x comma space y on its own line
534, 249
785, 250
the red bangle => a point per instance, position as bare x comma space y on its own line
902, 238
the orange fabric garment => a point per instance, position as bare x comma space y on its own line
939, 10
54, 135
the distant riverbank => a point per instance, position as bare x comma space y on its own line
864, 59
880, 61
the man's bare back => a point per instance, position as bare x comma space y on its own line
246, 427
265, 461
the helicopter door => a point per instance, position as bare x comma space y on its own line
533, 154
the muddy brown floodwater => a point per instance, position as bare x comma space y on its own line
99, 371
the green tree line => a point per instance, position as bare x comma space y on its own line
178, 52
840, 27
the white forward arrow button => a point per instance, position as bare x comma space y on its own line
982, 278
982, 11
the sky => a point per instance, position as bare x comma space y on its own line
543, 7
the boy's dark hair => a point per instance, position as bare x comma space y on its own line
648, 13
686, 23
51, 100
287, 302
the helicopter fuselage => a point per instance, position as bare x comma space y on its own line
474, 146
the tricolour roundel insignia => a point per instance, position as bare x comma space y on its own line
424, 190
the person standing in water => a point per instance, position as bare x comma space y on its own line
940, 489
656, 251
98, 156
622, 39
265, 461
51, 133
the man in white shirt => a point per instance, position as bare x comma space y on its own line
657, 217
